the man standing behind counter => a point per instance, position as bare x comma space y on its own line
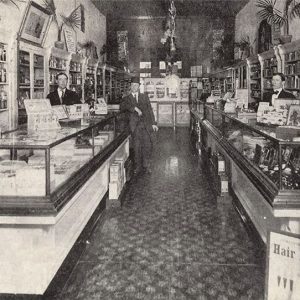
62, 95
142, 125
278, 81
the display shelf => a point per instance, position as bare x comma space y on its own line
290, 54
240, 75
4, 80
32, 79
58, 62
254, 78
270, 65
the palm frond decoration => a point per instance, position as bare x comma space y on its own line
74, 19
295, 11
50, 6
270, 13
14, 2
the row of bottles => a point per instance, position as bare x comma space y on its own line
2, 53
75, 79
3, 77
90, 70
75, 66
3, 99
57, 63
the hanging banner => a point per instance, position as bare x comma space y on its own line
70, 40
283, 267
122, 38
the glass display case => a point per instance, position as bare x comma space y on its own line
3, 77
44, 169
58, 61
90, 82
76, 69
255, 78
99, 83
31, 68
271, 163
269, 65
107, 85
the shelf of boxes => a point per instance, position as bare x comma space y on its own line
3, 77
206, 85
229, 84
54, 62
90, 80
99, 82
269, 66
76, 74
290, 54
255, 79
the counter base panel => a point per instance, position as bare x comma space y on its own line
31, 254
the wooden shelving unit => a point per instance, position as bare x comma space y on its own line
255, 77
4, 86
290, 54
269, 64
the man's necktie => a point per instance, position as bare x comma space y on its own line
275, 92
62, 96
136, 97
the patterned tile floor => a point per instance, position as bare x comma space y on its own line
172, 239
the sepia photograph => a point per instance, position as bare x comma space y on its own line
150, 149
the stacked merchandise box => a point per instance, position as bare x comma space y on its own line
117, 178
218, 171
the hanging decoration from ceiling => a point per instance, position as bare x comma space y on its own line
168, 40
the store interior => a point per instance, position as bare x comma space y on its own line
218, 214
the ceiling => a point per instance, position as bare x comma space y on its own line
158, 8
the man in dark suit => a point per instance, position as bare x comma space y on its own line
62, 95
278, 80
142, 125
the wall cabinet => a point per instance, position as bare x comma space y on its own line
32, 76
290, 54
4, 86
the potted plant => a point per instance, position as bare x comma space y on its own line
243, 47
73, 20
269, 12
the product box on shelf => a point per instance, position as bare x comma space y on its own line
114, 190
100, 107
40, 115
115, 172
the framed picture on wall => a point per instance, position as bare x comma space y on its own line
35, 24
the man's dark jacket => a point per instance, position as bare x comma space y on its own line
267, 96
69, 98
129, 103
